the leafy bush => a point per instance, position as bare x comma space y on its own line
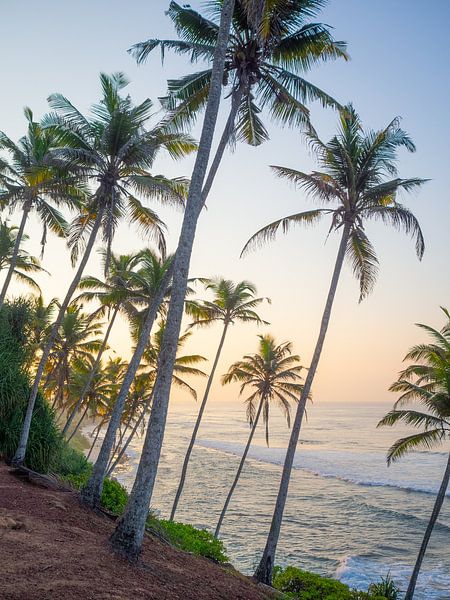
114, 496
386, 588
189, 538
44, 440
70, 461
302, 585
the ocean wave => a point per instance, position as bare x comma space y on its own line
360, 571
366, 469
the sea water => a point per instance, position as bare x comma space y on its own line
348, 515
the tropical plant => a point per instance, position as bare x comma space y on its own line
10, 252
231, 303
152, 281
31, 182
128, 535
114, 151
185, 365
42, 315
425, 383
358, 183
272, 375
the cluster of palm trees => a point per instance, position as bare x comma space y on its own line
100, 168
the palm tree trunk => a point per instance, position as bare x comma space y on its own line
95, 440
15, 254
197, 423
239, 471
426, 538
77, 426
127, 538
118, 458
264, 571
92, 492
92, 373
19, 456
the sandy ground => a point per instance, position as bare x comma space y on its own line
53, 547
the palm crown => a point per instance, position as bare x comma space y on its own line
272, 374
427, 382
231, 302
264, 65
358, 182
115, 150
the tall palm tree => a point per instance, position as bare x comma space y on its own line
112, 293
11, 253
42, 316
231, 303
151, 282
128, 535
425, 382
114, 151
77, 339
185, 365
358, 183
272, 375
29, 182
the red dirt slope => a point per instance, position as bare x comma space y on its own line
53, 547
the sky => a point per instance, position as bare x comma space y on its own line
400, 54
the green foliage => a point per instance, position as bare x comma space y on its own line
189, 538
302, 585
70, 461
386, 588
44, 441
114, 496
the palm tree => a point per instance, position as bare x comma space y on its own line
11, 253
112, 293
425, 382
41, 323
358, 183
128, 535
113, 150
272, 375
76, 340
185, 365
31, 183
151, 282
231, 303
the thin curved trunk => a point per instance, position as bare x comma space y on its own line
114, 464
95, 441
15, 254
426, 538
128, 535
265, 568
77, 426
92, 492
197, 423
92, 373
239, 471
19, 456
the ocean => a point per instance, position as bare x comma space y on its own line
348, 515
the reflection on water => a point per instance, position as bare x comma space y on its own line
348, 515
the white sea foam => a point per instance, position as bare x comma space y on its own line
360, 571
419, 474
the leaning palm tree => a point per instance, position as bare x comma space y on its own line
112, 293
231, 303
114, 151
426, 383
150, 284
272, 375
29, 182
12, 254
128, 535
358, 183
185, 365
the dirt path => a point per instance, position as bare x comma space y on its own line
53, 547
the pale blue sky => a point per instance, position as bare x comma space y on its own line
400, 66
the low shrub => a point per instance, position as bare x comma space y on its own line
386, 588
189, 538
303, 585
114, 496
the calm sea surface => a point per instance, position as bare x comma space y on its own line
348, 515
